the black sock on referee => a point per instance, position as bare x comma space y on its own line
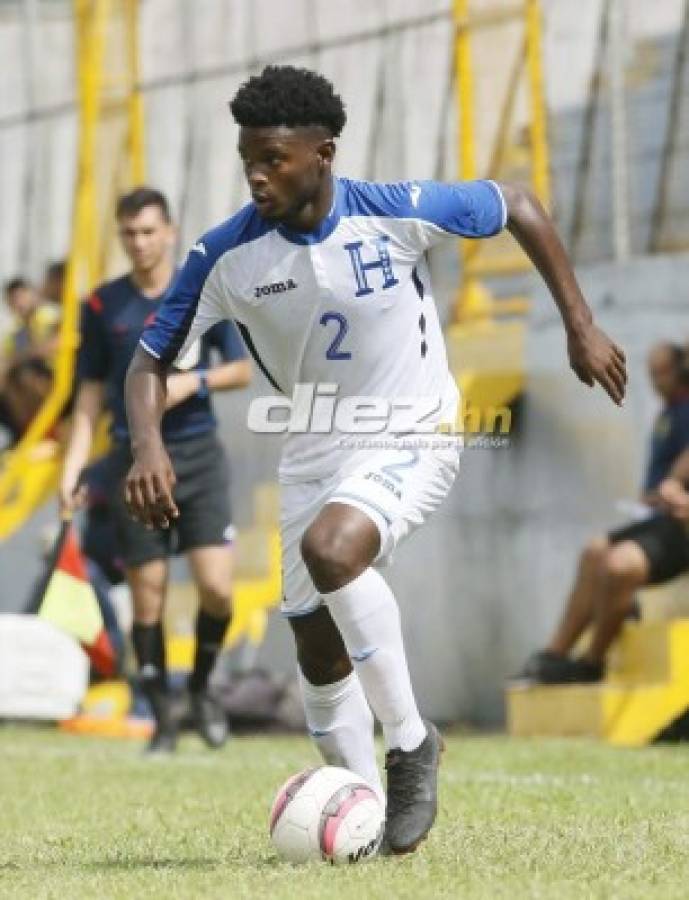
149, 649
210, 633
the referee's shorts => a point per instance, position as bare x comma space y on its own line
201, 494
665, 542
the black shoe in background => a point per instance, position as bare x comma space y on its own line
163, 742
164, 738
544, 667
209, 719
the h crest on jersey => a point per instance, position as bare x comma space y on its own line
361, 268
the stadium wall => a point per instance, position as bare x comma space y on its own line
498, 557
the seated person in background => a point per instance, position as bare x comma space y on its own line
33, 332
27, 350
650, 551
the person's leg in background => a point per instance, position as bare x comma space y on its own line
206, 533
101, 586
610, 572
583, 600
211, 569
148, 584
626, 568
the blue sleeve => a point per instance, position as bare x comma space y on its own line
166, 335
225, 338
93, 357
472, 209
191, 308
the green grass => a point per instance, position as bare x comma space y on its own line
81, 817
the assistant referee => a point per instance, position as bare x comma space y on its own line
113, 319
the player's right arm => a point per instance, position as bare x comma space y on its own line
190, 309
149, 482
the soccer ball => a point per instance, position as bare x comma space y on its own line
326, 813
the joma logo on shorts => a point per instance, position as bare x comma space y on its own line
383, 482
278, 287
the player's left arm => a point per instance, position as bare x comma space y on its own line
592, 355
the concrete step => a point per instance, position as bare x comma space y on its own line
647, 689
625, 716
651, 652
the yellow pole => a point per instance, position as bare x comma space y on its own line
136, 146
540, 172
465, 91
90, 37
470, 298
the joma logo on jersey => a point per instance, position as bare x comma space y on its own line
278, 287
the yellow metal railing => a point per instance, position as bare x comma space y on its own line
473, 299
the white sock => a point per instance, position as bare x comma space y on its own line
340, 722
366, 613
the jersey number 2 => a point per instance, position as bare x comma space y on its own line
333, 351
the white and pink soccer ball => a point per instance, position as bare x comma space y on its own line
326, 813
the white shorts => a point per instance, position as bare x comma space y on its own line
398, 487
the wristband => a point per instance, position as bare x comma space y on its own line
204, 389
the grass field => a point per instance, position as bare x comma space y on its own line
81, 817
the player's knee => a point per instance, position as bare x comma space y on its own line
594, 553
331, 557
624, 567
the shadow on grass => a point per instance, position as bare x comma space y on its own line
195, 863
146, 862
155, 863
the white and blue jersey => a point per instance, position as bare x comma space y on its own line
349, 304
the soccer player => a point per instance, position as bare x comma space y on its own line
328, 283
113, 319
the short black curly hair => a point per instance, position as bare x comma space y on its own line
285, 95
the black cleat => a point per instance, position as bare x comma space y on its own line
164, 738
210, 719
545, 667
163, 742
412, 793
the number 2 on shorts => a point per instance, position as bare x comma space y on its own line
391, 468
